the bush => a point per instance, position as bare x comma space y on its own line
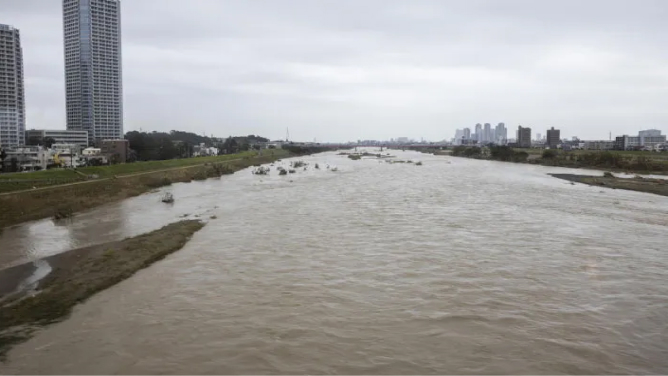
521, 156
550, 154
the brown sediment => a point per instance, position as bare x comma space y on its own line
54, 201
78, 274
639, 184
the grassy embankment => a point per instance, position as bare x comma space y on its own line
638, 184
78, 274
620, 161
117, 182
22, 181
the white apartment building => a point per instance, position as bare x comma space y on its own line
60, 136
598, 145
93, 71
12, 97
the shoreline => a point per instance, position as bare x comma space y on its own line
76, 275
66, 200
615, 161
638, 184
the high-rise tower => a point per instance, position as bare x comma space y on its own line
12, 97
93, 67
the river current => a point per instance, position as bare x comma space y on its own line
455, 266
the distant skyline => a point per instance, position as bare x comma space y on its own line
339, 70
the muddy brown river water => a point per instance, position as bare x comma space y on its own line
456, 266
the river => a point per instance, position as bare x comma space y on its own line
456, 266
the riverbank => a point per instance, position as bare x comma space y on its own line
47, 178
639, 184
77, 275
64, 200
617, 161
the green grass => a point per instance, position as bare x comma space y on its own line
27, 180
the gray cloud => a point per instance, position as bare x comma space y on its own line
343, 69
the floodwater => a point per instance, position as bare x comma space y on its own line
456, 266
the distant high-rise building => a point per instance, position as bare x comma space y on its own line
467, 133
553, 137
12, 97
501, 134
93, 68
478, 132
538, 137
459, 134
523, 137
487, 133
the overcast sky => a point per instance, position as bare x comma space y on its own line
339, 70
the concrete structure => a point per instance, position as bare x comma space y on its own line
467, 133
648, 140
202, 150
89, 152
523, 137
650, 133
60, 136
67, 155
93, 72
28, 158
478, 133
553, 138
597, 145
116, 151
12, 96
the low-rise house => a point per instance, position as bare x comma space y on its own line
26, 158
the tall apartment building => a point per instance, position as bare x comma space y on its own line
487, 133
93, 72
478, 133
12, 97
523, 137
553, 138
467, 133
501, 134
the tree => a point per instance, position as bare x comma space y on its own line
48, 142
230, 146
14, 167
34, 141
550, 154
3, 155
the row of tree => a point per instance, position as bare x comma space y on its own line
178, 144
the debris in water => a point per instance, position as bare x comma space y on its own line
167, 198
261, 171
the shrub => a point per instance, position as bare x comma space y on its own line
550, 154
